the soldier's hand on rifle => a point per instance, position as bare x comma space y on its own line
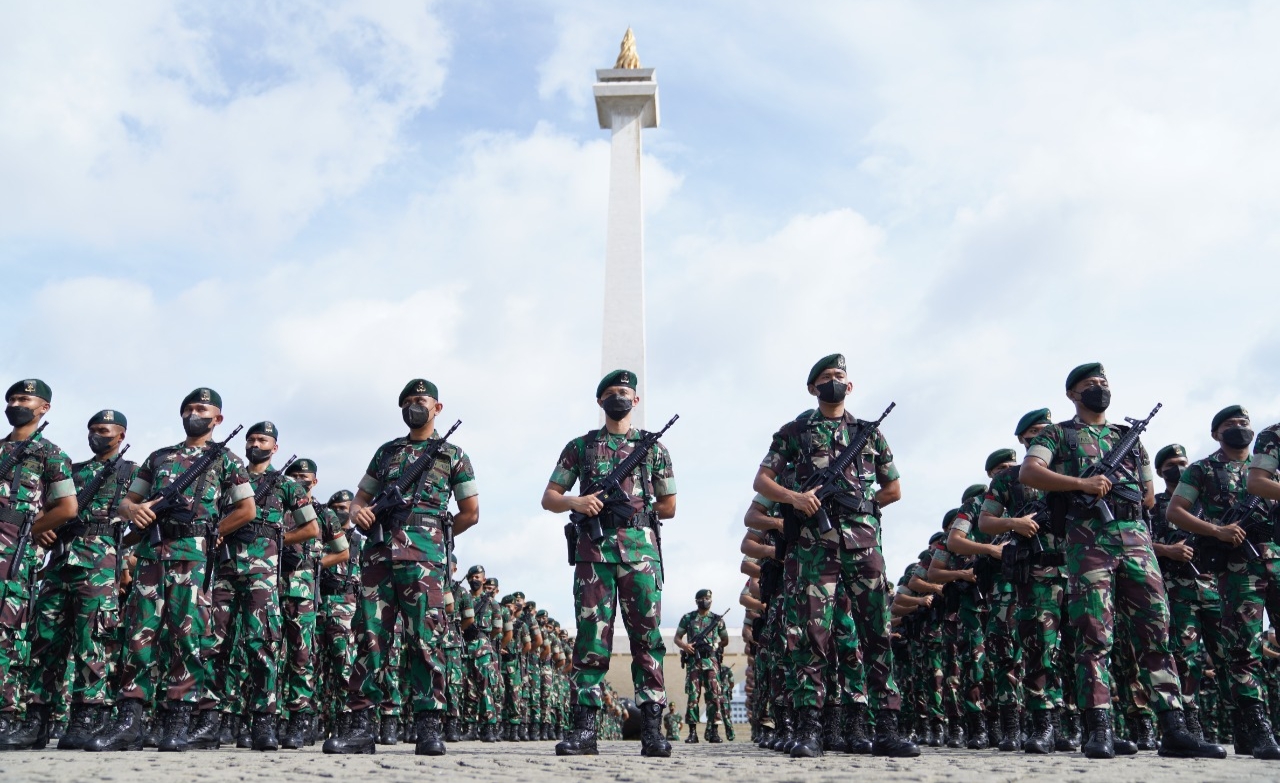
1024, 526
590, 505
806, 503
1098, 486
967, 575
364, 517
1180, 552
1231, 534
928, 599
46, 539
141, 515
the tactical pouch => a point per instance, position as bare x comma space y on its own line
1211, 555
571, 540
290, 559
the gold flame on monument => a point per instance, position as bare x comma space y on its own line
627, 57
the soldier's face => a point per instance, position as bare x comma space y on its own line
109, 434
342, 508
307, 480
1032, 432
37, 405
203, 410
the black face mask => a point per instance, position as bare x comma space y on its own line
195, 426
476, 585
832, 391
1236, 437
100, 444
416, 416
704, 605
343, 517
257, 456
616, 407
1096, 398
1171, 473
19, 416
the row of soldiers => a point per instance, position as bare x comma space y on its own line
193, 600
1039, 618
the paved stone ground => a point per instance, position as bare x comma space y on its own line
618, 761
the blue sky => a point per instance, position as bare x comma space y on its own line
306, 208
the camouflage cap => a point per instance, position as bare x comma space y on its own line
264, 428
203, 395
703, 593
1090, 370
617, 378
1031, 419
109, 416
1229, 412
33, 386
835, 360
947, 519
973, 491
341, 496
418, 386
1169, 452
999, 457
302, 465
475, 569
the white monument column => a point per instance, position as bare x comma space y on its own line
626, 102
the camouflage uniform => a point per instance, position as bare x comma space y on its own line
515, 709
482, 661
298, 605
971, 608
624, 568
726, 699
1004, 653
701, 672
339, 589
671, 722
457, 608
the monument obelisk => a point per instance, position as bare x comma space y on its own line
626, 102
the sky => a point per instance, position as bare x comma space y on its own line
305, 206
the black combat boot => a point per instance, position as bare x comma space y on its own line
1009, 728
1262, 740
390, 733
1061, 739
833, 729
1074, 725
125, 733
227, 735
153, 727
295, 733
489, 732
713, 732
977, 731
176, 737
82, 726
1123, 747
313, 728
262, 734
1040, 740
1099, 741
426, 725
1192, 715
786, 733
7, 722
887, 741
359, 737
508, 732
581, 739
692, 739
955, 736
206, 730
856, 738
244, 733
341, 722
993, 727
1176, 741
652, 743
763, 737
57, 729
32, 733
1144, 732
808, 739
937, 733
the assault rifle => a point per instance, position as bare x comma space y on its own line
699, 642
7, 466
84, 498
394, 503
830, 482
616, 502
172, 502
1112, 468
270, 480
1015, 560
1213, 553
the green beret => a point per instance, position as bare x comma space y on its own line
341, 496
419, 386
999, 457
1229, 412
540, 613
518, 595
1089, 370
507, 599
303, 465
936, 537
974, 491
617, 378
33, 386
1032, 419
926, 554
948, 518
109, 416
263, 428
475, 569
703, 593
531, 604
1169, 452
825, 363
202, 395
491, 582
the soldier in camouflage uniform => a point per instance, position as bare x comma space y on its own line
701, 672
404, 573
460, 616
1110, 565
624, 567
339, 592
37, 495
518, 643
482, 660
726, 699
1250, 585
671, 722
168, 611
848, 554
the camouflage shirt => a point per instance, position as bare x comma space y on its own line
592, 457
329, 538
225, 478
693, 624
451, 475
1094, 442
485, 611
1217, 483
41, 477
1008, 496
1266, 451
810, 443
286, 498
98, 551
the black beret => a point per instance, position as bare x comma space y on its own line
419, 386
1169, 452
475, 569
617, 378
1229, 412
203, 395
937, 537
341, 496
518, 595
974, 491
948, 518
999, 457
703, 593
264, 428
1089, 370
33, 386
303, 465
1032, 419
109, 416
835, 360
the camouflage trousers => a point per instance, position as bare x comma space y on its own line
701, 683
971, 649
819, 572
847, 681
166, 617
1004, 650
483, 679
598, 589
454, 676
513, 708
1195, 628
1249, 589
389, 674
245, 612
15, 597
1048, 651
930, 677
336, 649
413, 590
533, 687
1117, 572
298, 617
76, 614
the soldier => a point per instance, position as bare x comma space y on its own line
481, 660
518, 643
701, 672
339, 592
404, 573
37, 495
726, 699
1249, 584
1110, 564
849, 554
168, 612
623, 567
461, 616
672, 721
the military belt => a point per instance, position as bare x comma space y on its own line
330, 587
253, 531
173, 530
86, 529
422, 520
